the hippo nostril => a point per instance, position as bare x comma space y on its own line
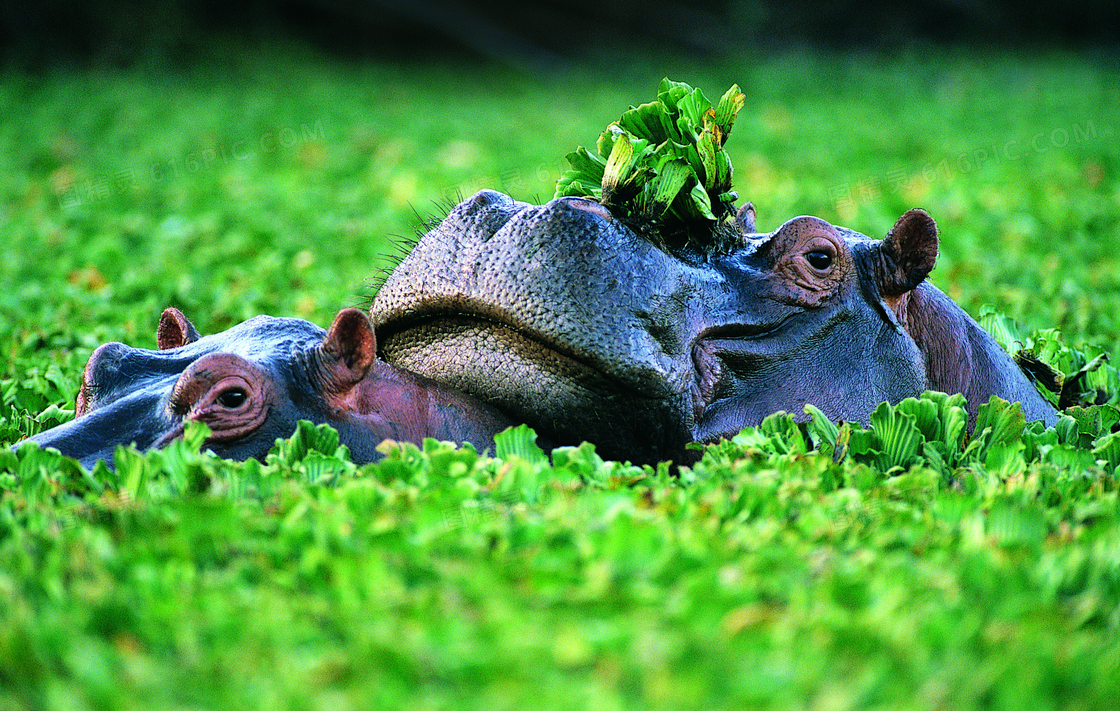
587, 205
104, 359
101, 371
482, 200
481, 215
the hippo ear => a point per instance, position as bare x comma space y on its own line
174, 330
348, 351
745, 218
907, 254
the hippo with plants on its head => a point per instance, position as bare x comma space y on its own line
588, 328
252, 383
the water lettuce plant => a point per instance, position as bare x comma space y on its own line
1064, 375
662, 163
876, 558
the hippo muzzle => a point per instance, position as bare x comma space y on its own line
552, 314
133, 419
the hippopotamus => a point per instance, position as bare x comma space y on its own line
587, 327
252, 383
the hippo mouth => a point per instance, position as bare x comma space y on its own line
567, 396
444, 344
428, 331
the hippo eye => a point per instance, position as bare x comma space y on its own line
232, 398
819, 259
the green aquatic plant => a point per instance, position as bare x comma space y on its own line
663, 164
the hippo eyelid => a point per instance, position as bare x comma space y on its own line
220, 381
228, 394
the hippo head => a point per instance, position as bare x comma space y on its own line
251, 385
586, 328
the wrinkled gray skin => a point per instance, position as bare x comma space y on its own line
252, 384
563, 317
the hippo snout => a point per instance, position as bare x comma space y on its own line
103, 367
594, 328
115, 370
134, 419
566, 313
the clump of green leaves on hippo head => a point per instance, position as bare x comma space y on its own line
662, 167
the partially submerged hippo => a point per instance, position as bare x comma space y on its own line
252, 383
563, 317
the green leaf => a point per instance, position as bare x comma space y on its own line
674, 173
649, 121
1107, 449
898, 434
307, 440
670, 93
1002, 328
520, 442
585, 177
777, 434
622, 166
998, 422
619, 165
723, 176
1065, 456
942, 419
728, 108
1012, 524
1005, 459
1065, 376
699, 204
692, 108
134, 472
784, 431
587, 162
1068, 428
821, 429
708, 147
581, 462
573, 185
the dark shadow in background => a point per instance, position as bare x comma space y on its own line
533, 36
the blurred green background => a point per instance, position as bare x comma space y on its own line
275, 180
